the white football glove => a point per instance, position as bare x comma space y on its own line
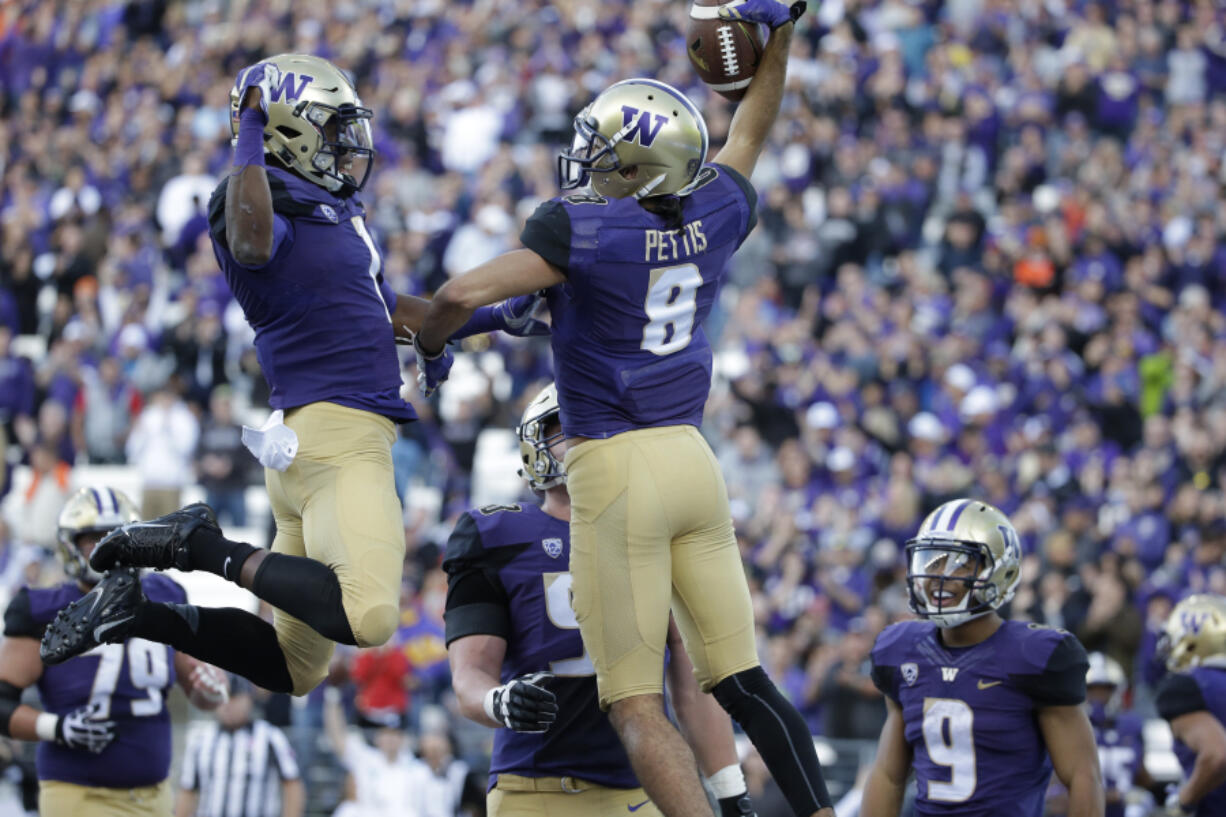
79, 729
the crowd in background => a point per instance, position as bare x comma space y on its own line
990, 261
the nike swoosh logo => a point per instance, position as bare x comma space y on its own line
102, 629
225, 568
985, 684
639, 806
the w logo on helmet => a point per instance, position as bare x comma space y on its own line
287, 89
1192, 622
644, 131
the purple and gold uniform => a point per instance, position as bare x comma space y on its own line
321, 311
969, 713
1121, 748
650, 521
1201, 689
507, 569
130, 680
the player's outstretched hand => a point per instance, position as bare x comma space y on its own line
82, 729
263, 75
770, 12
432, 370
523, 704
516, 316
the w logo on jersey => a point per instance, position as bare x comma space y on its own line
288, 90
644, 130
949, 674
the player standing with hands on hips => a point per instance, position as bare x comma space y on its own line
632, 267
289, 232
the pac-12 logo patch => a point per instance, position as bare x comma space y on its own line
910, 673
553, 547
327, 212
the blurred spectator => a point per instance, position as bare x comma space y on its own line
222, 462
381, 676
104, 411
161, 446
34, 513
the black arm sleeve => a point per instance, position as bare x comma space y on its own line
477, 603
751, 195
19, 620
1179, 694
547, 233
883, 678
1063, 681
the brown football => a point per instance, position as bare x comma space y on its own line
724, 54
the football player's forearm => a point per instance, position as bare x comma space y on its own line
249, 216
1085, 794
22, 724
756, 114
882, 796
1208, 773
471, 686
444, 316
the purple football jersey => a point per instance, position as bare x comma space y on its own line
969, 712
1121, 748
524, 553
129, 681
320, 307
1201, 690
629, 348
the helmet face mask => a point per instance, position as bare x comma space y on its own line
317, 125
963, 563
639, 124
541, 468
95, 511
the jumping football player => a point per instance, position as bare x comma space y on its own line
1193, 699
980, 707
517, 660
289, 232
633, 266
104, 730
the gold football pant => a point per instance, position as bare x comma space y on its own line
337, 504
59, 799
516, 796
650, 526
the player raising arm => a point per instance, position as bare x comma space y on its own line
1193, 699
640, 257
982, 708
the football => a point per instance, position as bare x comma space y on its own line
725, 54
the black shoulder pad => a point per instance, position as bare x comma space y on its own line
884, 679
547, 233
19, 620
285, 204
464, 546
1062, 681
1179, 694
217, 213
751, 195
282, 203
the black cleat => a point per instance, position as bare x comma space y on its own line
159, 543
104, 615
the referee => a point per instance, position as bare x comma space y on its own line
239, 766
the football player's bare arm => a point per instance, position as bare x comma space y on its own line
20, 667
1204, 735
756, 114
1074, 754
704, 723
476, 668
410, 312
249, 209
887, 781
518, 272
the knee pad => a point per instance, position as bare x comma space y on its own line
376, 625
741, 688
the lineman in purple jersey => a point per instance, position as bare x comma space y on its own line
1118, 733
1193, 699
981, 707
104, 729
633, 266
517, 660
288, 230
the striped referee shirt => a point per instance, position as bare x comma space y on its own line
238, 773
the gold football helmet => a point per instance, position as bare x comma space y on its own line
1195, 634
965, 542
637, 124
541, 468
89, 510
316, 123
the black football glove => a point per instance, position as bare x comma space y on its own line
523, 704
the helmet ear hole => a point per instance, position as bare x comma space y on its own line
288, 132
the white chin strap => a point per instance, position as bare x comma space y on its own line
645, 190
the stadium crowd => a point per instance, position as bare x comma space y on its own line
990, 260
